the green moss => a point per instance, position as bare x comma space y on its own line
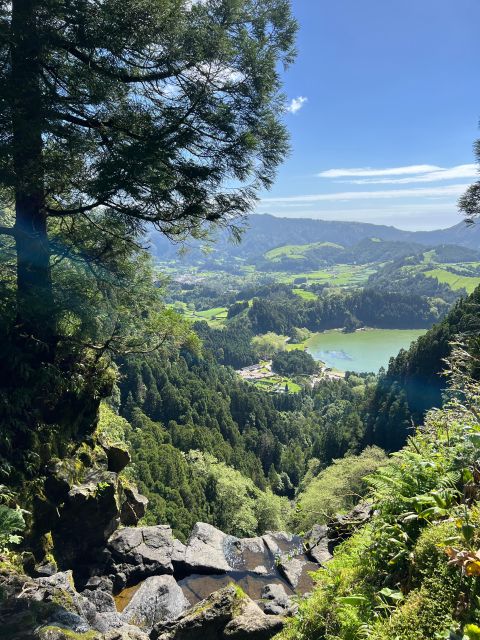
53, 631
64, 599
425, 613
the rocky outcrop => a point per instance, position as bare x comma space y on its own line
83, 501
137, 553
135, 581
292, 569
228, 613
134, 506
343, 526
117, 457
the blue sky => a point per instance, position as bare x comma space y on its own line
385, 104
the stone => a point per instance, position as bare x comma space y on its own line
291, 569
321, 553
138, 553
32, 604
317, 533
253, 623
248, 554
280, 543
118, 457
101, 600
134, 506
205, 552
318, 545
45, 569
227, 613
277, 600
89, 515
126, 632
343, 526
159, 598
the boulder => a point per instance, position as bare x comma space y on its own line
206, 549
321, 553
276, 600
87, 517
29, 605
318, 545
249, 554
117, 457
227, 613
251, 622
134, 506
292, 569
125, 632
280, 542
138, 553
158, 599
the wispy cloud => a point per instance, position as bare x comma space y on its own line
453, 173
296, 104
430, 192
366, 172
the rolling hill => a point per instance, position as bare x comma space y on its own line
265, 233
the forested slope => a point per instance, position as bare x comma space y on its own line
415, 376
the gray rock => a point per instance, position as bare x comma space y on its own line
253, 623
292, 569
101, 600
158, 599
343, 526
141, 552
227, 613
45, 569
249, 554
206, 548
134, 506
280, 542
321, 553
317, 533
126, 632
277, 600
275, 592
318, 545
89, 515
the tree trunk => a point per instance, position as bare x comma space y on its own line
35, 306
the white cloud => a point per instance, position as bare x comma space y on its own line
454, 173
369, 172
296, 104
430, 192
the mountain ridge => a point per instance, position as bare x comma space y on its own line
265, 232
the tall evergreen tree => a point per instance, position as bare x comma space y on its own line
120, 113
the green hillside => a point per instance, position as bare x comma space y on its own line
298, 251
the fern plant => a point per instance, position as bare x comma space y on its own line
12, 522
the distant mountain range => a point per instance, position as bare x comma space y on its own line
266, 232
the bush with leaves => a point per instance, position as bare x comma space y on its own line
12, 522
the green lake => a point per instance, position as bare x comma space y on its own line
362, 350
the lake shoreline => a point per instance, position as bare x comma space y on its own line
364, 350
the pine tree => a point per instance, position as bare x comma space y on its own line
120, 113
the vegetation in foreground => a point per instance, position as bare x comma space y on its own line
414, 570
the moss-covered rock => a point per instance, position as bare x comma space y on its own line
228, 613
